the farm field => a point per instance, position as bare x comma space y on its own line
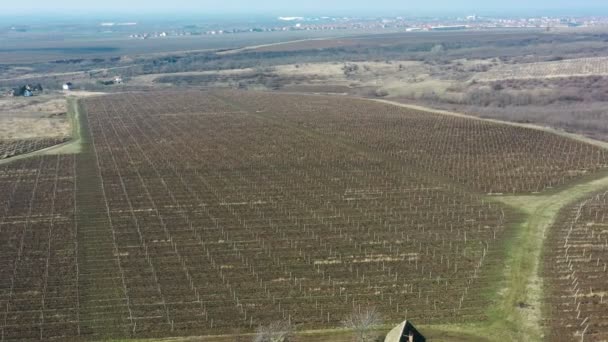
206, 213
24, 48
390, 40
575, 268
476, 154
596, 66
11, 148
39, 296
292, 227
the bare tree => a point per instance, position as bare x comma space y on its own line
279, 331
363, 322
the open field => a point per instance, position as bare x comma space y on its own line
36, 117
566, 94
552, 78
396, 39
39, 125
24, 48
31, 124
204, 213
563, 68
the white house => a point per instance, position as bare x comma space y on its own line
68, 86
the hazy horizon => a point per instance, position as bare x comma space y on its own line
310, 7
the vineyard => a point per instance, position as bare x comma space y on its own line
576, 264
201, 213
11, 148
38, 269
479, 155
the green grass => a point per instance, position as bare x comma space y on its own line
74, 145
522, 281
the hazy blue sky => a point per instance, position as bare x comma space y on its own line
297, 7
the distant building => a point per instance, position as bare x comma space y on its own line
68, 86
26, 90
449, 28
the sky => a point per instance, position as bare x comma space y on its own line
304, 7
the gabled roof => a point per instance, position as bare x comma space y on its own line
402, 332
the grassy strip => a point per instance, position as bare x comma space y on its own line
75, 144
525, 283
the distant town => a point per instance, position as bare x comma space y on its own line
390, 23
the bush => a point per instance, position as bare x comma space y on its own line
363, 324
280, 331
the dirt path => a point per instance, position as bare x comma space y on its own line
254, 47
516, 124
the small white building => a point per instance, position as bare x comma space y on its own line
68, 86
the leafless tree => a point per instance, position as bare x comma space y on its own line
279, 331
363, 322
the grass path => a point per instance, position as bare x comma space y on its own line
524, 283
